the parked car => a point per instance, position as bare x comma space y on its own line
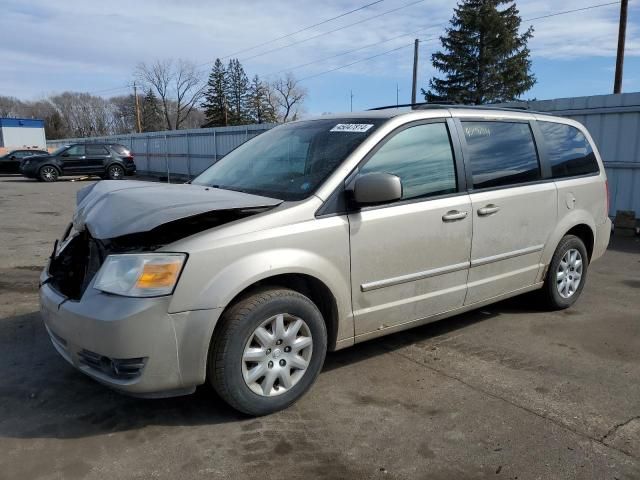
10, 162
317, 235
107, 160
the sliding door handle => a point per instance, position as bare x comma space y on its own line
453, 215
488, 210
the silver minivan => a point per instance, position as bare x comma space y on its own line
317, 235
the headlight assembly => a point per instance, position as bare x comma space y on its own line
140, 274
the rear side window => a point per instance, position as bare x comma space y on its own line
421, 156
501, 153
96, 150
569, 151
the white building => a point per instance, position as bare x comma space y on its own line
22, 133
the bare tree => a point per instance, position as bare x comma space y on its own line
288, 96
178, 86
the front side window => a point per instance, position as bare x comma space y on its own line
421, 156
569, 151
291, 161
501, 153
75, 150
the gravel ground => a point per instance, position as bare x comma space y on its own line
505, 392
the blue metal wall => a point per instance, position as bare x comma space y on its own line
178, 152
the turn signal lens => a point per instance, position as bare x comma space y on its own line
161, 275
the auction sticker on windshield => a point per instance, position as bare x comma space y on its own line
351, 127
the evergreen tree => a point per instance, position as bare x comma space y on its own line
150, 113
215, 96
237, 94
260, 109
484, 59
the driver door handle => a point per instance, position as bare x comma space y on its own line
453, 215
488, 210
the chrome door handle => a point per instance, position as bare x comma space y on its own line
488, 210
453, 215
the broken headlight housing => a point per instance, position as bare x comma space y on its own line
140, 274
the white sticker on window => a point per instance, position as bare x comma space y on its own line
351, 127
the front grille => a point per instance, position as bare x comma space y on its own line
117, 368
72, 271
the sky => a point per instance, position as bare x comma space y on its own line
94, 46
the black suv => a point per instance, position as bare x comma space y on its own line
10, 163
108, 160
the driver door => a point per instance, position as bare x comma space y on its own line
410, 258
73, 160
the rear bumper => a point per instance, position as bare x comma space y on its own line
603, 234
108, 337
130, 169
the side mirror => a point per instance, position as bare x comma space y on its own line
13, 157
379, 187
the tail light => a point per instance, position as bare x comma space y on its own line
606, 186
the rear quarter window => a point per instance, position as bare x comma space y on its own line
569, 151
120, 150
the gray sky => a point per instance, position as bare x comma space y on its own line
86, 45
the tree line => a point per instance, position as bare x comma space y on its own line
171, 96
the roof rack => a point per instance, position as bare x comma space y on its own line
413, 105
435, 105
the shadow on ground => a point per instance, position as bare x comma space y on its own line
44, 397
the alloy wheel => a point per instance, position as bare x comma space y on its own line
49, 174
569, 273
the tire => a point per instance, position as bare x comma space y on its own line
558, 295
247, 366
115, 172
48, 173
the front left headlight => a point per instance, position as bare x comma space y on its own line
140, 274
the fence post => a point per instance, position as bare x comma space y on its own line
215, 147
166, 157
188, 138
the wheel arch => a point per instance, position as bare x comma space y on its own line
585, 233
311, 287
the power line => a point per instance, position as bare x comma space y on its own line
565, 12
332, 31
590, 7
109, 89
350, 51
298, 31
353, 63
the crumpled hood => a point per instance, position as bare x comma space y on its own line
112, 208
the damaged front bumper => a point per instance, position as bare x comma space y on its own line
131, 344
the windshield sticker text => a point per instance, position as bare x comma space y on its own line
351, 127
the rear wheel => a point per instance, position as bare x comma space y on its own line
567, 273
115, 172
268, 351
48, 173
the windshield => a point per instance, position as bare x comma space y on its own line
291, 161
59, 150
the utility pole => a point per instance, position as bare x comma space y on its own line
351, 99
622, 33
397, 94
415, 71
135, 94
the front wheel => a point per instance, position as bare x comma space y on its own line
48, 173
268, 351
567, 273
